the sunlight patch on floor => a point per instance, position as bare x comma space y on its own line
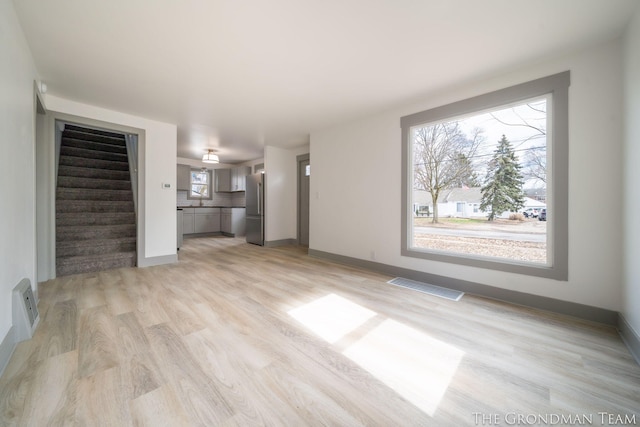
412, 363
415, 365
331, 317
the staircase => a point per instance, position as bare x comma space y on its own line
95, 216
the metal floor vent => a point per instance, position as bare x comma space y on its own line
25, 311
426, 288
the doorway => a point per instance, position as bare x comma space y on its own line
304, 177
47, 175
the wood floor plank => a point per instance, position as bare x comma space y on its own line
115, 293
131, 338
248, 407
100, 401
97, 338
52, 397
60, 329
142, 292
139, 371
307, 399
198, 391
91, 293
158, 408
182, 316
213, 340
18, 382
140, 374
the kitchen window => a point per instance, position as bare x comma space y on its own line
494, 152
199, 184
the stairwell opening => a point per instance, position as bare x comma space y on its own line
96, 200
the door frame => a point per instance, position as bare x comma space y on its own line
52, 119
300, 159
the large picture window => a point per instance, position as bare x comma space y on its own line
485, 180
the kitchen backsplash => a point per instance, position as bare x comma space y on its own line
219, 199
238, 199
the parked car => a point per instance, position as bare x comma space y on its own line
542, 216
530, 213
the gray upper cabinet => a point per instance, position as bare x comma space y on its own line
223, 180
238, 175
231, 180
182, 181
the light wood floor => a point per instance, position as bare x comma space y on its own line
239, 335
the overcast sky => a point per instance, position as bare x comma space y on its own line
522, 138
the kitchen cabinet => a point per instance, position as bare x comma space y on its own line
183, 181
238, 176
225, 222
207, 220
223, 180
231, 180
232, 221
188, 220
200, 220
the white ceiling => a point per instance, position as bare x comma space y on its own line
238, 75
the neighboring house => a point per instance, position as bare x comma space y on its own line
536, 193
460, 203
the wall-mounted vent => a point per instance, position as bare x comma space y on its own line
25, 311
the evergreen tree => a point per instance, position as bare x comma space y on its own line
502, 190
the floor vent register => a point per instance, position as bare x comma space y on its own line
426, 288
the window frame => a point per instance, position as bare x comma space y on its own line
209, 185
557, 86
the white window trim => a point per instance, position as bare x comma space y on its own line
209, 184
558, 236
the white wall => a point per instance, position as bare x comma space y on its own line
17, 162
252, 163
355, 187
281, 192
159, 167
631, 290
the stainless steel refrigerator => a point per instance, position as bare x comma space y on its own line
254, 194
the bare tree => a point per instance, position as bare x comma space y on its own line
535, 166
441, 154
539, 129
535, 161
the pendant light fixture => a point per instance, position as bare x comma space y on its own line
210, 157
